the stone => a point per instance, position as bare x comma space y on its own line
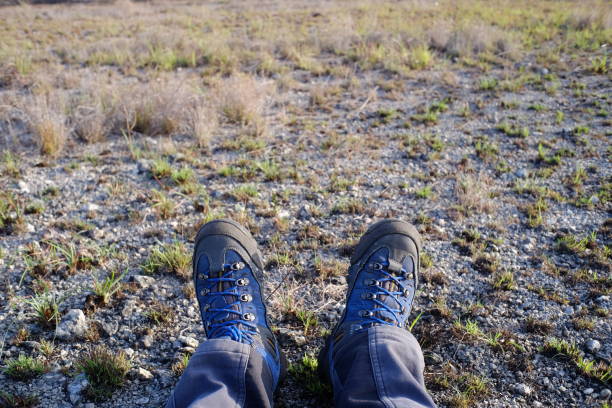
522, 173
304, 213
147, 341
91, 207
144, 374
109, 328
73, 324
605, 393
189, 341
142, 401
143, 281
588, 391
523, 389
593, 345
76, 387
23, 187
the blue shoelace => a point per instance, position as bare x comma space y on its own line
370, 315
237, 329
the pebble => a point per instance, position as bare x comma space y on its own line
76, 387
147, 341
73, 324
143, 281
23, 187
523, 389
593, 345
142, 401
522, 173
144, 374
303, 213
605, 393
189, 341
588, 391
91, 207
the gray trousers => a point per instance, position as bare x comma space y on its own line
381, 367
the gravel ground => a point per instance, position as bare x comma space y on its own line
515, 223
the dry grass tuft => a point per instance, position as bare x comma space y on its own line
202, 123
474, 193
469, 40
153, 110
242, 100
47, 121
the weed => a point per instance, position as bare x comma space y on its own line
8, 400
575, 245
162, 204
513, 130
169, 258
182, 176
106, 288
159, 313
24, 368
538, 326
484, 149
245, 192
180, 365
45, 307
569, 350
425, 193
504, 281
348, 206
305, 372
599, 65
105, 370
552, 160
488, 84
160, 169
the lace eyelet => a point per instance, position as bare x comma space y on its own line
249, 317
202, 276
372, 282
204, 292
245, 297
242, 282
368, 296
366, 313
376, 266
406, 292
236, 266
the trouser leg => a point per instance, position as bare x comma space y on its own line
381, 367
224, 373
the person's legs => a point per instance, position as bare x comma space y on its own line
370, 358
239, 365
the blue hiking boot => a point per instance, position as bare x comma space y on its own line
227, 273
382, 281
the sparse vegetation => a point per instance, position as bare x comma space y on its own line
105, 371
169, 258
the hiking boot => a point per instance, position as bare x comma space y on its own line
227, 273
382, 278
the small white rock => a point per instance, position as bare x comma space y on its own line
23, 187
144, 374
189, 341
523, 389
605, 393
